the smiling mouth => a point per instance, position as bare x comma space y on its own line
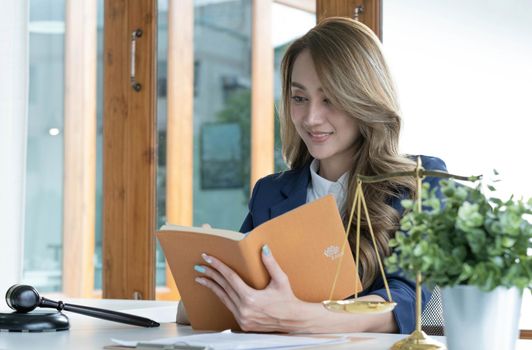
319, 136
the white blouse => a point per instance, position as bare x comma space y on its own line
319, 187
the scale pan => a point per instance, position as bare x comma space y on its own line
355, 306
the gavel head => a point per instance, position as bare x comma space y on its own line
22, 298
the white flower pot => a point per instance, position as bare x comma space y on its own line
481, 320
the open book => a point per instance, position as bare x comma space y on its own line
306, 242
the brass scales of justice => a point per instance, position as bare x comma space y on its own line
418, 340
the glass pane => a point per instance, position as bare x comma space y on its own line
98, 228
44, 181
464, 68
288, 24
222, 112
162, 59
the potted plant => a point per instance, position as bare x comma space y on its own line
476, 248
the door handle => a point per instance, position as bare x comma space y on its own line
132, 79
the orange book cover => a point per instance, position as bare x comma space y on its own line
306, 242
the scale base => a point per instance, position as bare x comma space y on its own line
418, 340
356, 306
35, 321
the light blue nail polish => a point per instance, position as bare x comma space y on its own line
199, 268
266, 250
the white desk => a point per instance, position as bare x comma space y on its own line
90, 333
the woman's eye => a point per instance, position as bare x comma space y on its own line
327, 101
298, 99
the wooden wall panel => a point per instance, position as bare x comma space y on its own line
180, 124
371, 13
129, 151
80, 148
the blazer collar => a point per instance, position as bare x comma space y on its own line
295, 192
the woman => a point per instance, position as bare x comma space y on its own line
339, 117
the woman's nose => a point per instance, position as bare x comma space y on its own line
315, 115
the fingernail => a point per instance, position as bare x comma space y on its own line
199, 268
206, 258
266, 250
200, 280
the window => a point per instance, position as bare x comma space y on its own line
43, 244
463, 74
62, 188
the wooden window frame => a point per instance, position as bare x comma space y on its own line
262, 110
129, 151
180, 125
368, 12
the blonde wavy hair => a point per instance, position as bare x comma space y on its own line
350, 65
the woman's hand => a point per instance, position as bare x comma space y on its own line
274, 308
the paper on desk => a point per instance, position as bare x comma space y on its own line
228, 340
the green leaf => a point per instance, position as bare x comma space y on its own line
466, 273
469, 216
406, 225
448, 191
497, 261
496, 201
459, 253
507, 242
407, 203
418, 250
476, 239
461, 193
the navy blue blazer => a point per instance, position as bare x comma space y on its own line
276, 194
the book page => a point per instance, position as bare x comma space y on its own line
233, 235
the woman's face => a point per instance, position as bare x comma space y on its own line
328, 133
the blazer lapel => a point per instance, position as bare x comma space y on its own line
295, 193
